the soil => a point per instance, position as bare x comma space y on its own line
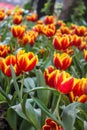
3, 123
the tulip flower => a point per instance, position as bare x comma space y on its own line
17, 31
85, 55
50, 75
2, 15
49, 30
38, 28
64, 83
26, 61
4, 50
79, 91
32, 17
73, 98
17, 19
61, 43
29, 37
49, 20
5, 65
51, 125
62, 61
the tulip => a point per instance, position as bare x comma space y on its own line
85, 55
4, 50
50, 75
38, 28
17, 19
32, 17
51, 125
49, 20
30, 37
49, 30
64, 83
6, 63
2, 15
17, 31
26, 61
62, 61
61, 43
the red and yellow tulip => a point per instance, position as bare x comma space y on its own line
17, 31
51, 125
4, 50
17, 19
62, 61
26, 61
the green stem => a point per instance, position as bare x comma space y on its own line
58, 102
21, 90
41, 88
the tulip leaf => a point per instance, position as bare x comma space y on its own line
11, 117
14, 81
26, 126
45, 110
43, 95
18, 109
29, 83
30, 112
69, 115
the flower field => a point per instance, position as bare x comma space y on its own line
43, 72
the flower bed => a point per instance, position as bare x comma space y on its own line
43, 66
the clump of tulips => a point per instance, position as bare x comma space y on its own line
43, 72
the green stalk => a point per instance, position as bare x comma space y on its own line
41, 88
21, 90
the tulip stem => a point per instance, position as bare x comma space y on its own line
58, 102
21, 89
41, 88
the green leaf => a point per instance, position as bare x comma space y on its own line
25, 125
29, 83
44, 96
30, 113
12, 119
14, 81
46, 110
69, 115
18, 110
3, 94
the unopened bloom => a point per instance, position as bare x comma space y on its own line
51, 125
17, 31
17, 19
62, 61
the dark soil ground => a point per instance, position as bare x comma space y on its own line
3, 123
